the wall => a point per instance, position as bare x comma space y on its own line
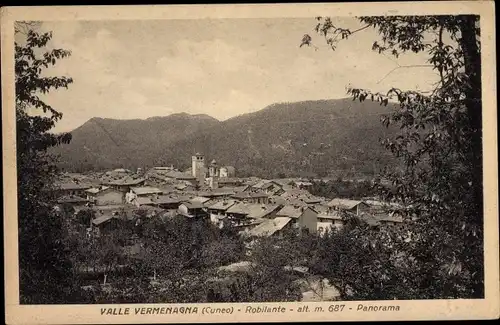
309, 219
322, 227
338, 224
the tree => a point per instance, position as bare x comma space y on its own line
85, 217
365, 263
440, 146
45, 270
108, 253
269, 279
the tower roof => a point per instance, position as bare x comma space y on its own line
214, 162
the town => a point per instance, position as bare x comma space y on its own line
253, 208
256, 207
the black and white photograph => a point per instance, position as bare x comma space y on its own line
327, 158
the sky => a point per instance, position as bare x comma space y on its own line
220, 67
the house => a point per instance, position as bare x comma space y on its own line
384, 219
300, 215
292, 211
329, 222
302, 185
296, 197
141, 201
221, 206
285, 183
216, 193
192, 209
271, 227
105, 195
169, 202
76, 202
381, 206
177, 175
230, 182
227, 171
265, 184
247, 213
251, 197
125, 183
141, 192
218, 210
391, 220
272, 188
106, 223
145, 191
352, 206
70, 188
307, 220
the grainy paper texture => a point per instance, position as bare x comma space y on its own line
190, 62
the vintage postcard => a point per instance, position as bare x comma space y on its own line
250, 163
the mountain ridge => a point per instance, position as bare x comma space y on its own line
288, 138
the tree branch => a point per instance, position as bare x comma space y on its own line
405, 66
360, 29
440, 45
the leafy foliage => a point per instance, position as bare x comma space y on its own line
440, 146
45, 270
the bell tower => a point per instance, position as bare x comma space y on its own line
197, 165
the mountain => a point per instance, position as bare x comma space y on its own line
103, 143
311, 137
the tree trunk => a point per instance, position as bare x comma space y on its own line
472, 63
105, 278
472, 60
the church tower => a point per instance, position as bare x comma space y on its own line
198, 165
213, 174
213, 169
